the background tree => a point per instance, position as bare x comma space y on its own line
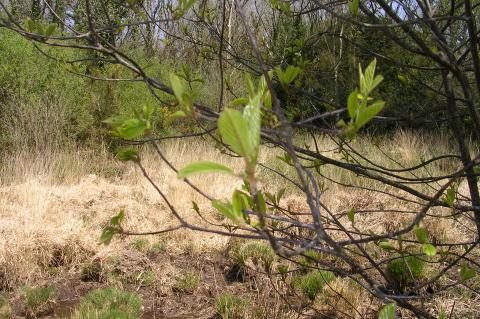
300, 62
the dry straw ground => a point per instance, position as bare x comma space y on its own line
53, 205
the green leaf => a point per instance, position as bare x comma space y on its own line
39, 27
239, 101
402, 78
128, 154
195, 207
29, 25
174, 116
387, 312
107, 235
288, 76
112, 229
226, 210
131, 129
280, 194
203, 167
422, 234
261, 201
466, 272
367, 114
449, 197
369, 74
352, 104
251, 114
429, 250
181, 92
116, 220
442, 315
385, 244
376, 81
50, 29
234, 131
351, 215
147, 110
353, 6
238, 203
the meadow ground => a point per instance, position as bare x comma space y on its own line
53, 205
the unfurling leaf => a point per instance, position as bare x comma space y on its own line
174, 116
353, 6
365, 115
385, 245
429, 250
107, 235
50, 29
112, 229
466, 272
227, 211
29, 25
182, 93
387, 312
116, 220
289, 75
449, 197
351, 215
203, 167
131, 129
421, 233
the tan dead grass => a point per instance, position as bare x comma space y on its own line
55, 199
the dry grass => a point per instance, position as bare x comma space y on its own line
59, 200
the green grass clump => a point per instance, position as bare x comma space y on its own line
5, 309
144, 278
39, 300
92, 271
158, 247
255, 251
140, 244
406, 270
187, 283
109, 303
229, 306
312, 283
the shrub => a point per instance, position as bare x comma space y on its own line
187, 283
230, 307
109, 303
39, 300
312, 283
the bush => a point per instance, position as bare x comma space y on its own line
312, 283
109, 303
